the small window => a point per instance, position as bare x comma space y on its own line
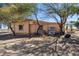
20, 27
51, 28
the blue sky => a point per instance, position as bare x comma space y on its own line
74, 18
44, 17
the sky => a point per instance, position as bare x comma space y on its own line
42, 16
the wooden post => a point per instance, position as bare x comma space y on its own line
29, 28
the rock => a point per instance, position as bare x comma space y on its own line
36, 53
33, 46
10, 51
40, 54
60, 53
27, 45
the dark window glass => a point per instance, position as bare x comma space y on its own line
20, 27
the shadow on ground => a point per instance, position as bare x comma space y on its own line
4, 36
7, 36
71, 40
10, 36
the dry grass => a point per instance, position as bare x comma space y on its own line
4, 30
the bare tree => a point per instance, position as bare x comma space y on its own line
63, 11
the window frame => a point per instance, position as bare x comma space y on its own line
21, 27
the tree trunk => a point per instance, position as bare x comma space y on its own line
62, 31
12, 30
37, 22
38, 28
71, 28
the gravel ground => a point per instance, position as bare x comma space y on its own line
40, 46
45, 46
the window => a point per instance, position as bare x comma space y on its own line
20, 27
51, 28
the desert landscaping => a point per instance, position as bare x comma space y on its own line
40, 46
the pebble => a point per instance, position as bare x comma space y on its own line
36, 53
33, 46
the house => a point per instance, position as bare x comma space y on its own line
28, 25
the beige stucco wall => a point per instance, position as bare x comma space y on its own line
54, 25
33, 27
15, 27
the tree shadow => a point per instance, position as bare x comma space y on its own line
4, 36
70, 40
10, 36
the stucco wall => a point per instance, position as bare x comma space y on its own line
57, 29
33, 27
15, 27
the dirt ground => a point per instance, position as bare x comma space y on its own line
38, 46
